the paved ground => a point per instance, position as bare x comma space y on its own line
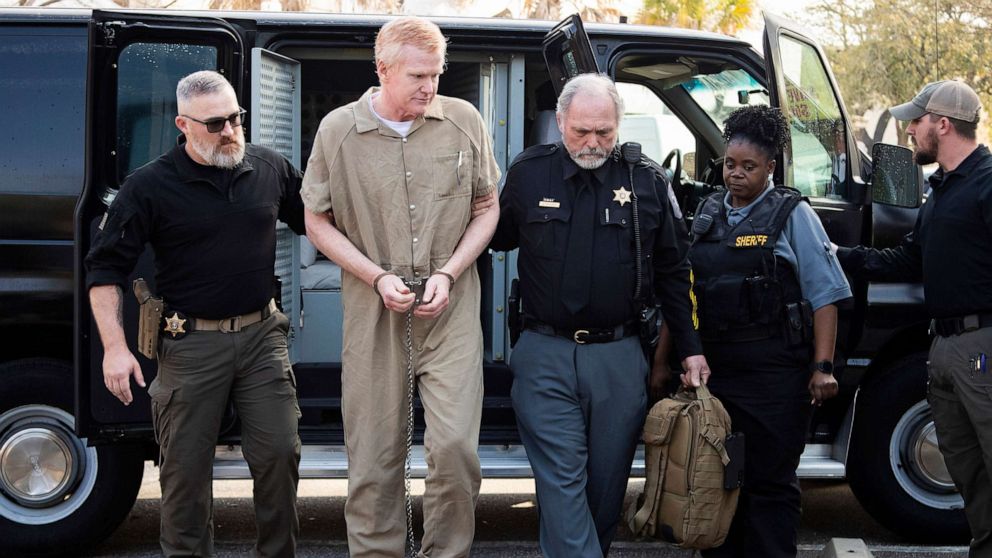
507, 523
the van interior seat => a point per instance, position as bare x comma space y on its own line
545, 128
317, 274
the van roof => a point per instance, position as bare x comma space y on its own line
523, 26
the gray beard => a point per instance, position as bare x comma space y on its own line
215, 157
589, 164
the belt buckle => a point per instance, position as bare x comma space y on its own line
230, 325
579, 332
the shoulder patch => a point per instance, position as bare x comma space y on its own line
534, 152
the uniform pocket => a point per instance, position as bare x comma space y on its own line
619, 221
453, 175
545, 231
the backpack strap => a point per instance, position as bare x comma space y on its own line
709, 414
647, 512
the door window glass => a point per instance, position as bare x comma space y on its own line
43, 92
819, 165
146, 97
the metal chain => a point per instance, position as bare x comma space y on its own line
411, 544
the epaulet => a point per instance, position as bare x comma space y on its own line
653, 166
790, 191
535, 151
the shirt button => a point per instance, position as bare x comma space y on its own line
545, 216
409, 174
416, 239
404, 140
413, 206
623, 221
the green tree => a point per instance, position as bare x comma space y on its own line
723, 16
883, 51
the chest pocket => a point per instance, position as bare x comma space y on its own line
545, 231
618, 223
453, 175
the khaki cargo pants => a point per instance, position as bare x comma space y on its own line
196, 376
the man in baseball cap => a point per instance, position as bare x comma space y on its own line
950, 249
953, 99
950, 100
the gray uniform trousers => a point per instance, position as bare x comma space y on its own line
580, 410
196, 376
961, 400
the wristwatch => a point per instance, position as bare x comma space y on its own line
824, 366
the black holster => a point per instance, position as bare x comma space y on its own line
513, 322
798, 323
649, 328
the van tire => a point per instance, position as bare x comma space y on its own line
36, 398
909, 496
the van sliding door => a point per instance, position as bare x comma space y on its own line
275, 123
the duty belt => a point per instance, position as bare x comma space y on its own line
233, 324
945, 327
583, 336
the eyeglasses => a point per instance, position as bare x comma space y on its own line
215, 125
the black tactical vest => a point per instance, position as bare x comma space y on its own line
741, 287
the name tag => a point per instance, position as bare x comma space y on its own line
548, 202
747, 240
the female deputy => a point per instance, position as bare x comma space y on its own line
766, 284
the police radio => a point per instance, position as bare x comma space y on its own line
648, 317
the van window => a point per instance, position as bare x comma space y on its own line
146, 98
819, 159
43, 92
649, 122
724, 92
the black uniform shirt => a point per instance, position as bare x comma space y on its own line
536, 216
950, 247
212, 230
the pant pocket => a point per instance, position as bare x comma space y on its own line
161, 397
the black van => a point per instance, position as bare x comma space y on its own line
88, 96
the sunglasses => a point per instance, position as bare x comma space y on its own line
215, 125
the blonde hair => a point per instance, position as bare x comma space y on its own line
408, 30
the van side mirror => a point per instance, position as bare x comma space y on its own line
896, 179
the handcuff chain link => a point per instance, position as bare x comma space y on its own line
409, 433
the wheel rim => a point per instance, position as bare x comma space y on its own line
46, 472
36, 465
917, 463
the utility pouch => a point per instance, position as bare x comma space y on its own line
513, 312
649, 328
798, 323
733, 472
764, 297
149, 318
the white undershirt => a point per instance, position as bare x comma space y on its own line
401, 128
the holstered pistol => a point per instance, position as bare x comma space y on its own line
149, 318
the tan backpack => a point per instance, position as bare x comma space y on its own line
684, 500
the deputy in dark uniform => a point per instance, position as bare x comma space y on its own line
579, 374
766, 283
208, 208
950, 249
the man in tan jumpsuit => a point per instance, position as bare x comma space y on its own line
389, 188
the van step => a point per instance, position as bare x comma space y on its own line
500, 461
